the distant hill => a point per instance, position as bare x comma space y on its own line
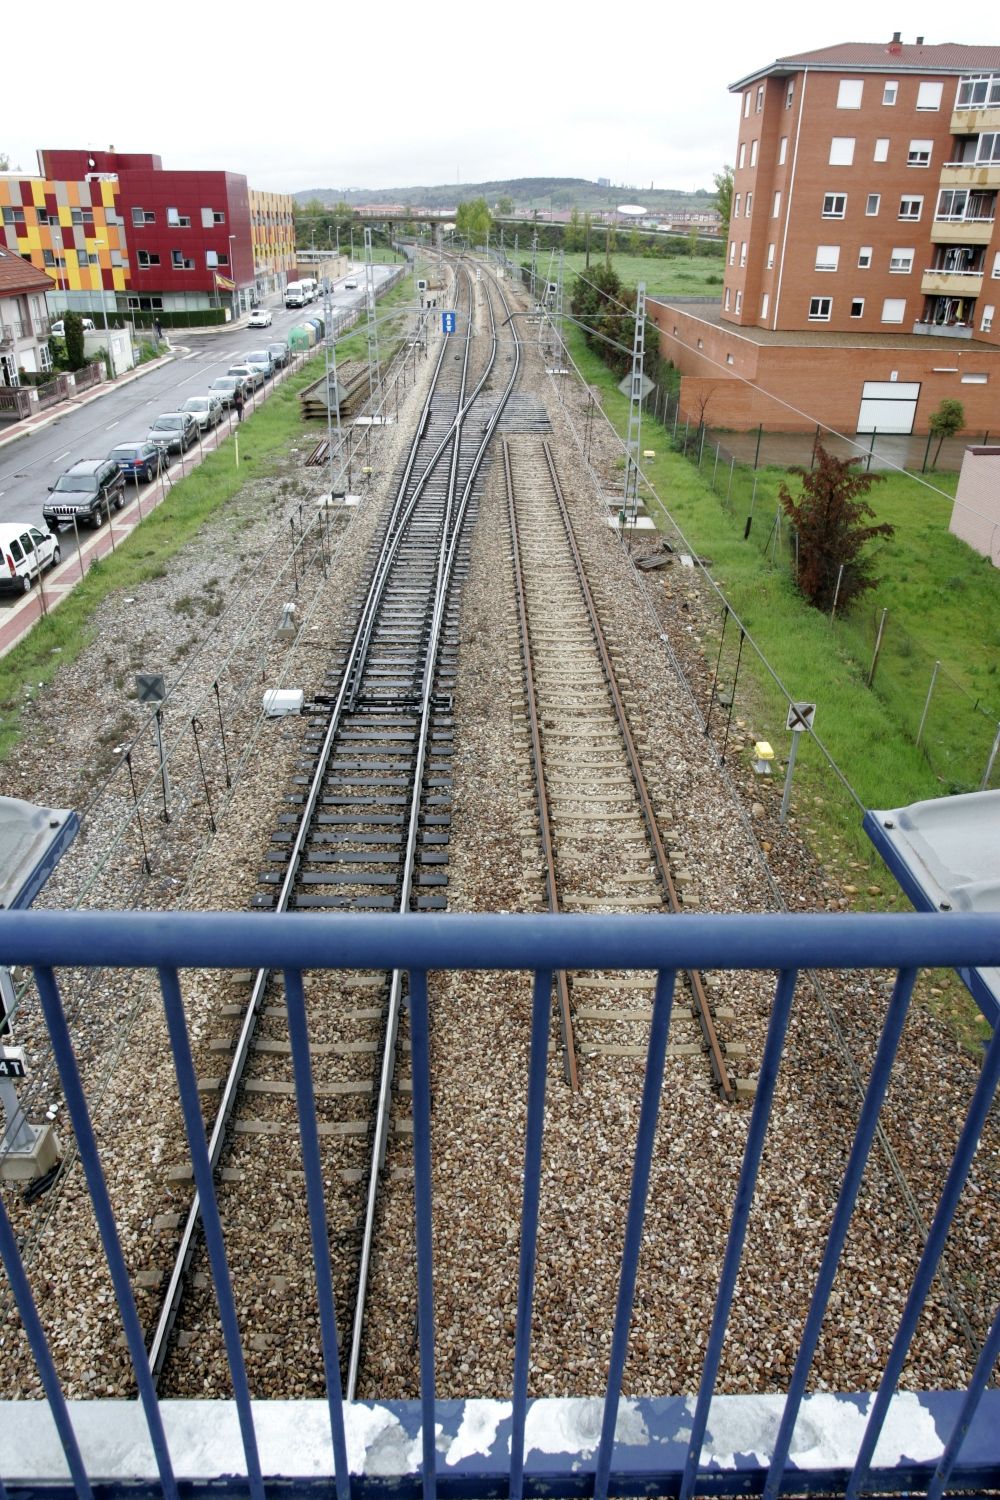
528, 193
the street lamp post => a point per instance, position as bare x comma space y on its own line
104, 310
232, 273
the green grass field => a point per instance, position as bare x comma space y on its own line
676, 276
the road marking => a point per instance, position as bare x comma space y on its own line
193, 355
110, 425
61, 456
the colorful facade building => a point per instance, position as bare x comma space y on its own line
863, 249
118, 234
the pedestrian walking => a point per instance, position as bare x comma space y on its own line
158, 329
238, 400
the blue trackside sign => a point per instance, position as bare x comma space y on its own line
447, 322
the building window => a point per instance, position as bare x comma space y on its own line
82, 215
970, 377
147, 258
857, 307
820, 309
790, 94
176, 220
881, 149
952, 203
842, 151
975, 93
736, 206
48, 259
749, 204
180, 261
44, 357
746, 105
901, 260
770, 256
919, 154
727, 300
13, 215
849, 93
910, 208
893, 309
743, 253
872, 204
890, 91
211, 258
753, 153
834, 205
986, 326
929, 95
765, 303
988, 150
996, 266
776, 206
827, 257
864, 257
760, 98
742, 160
116, 258
146, 304
732, 252
739, 302
782, 150
141, 216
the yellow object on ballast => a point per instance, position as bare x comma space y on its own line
649, 453
763, 755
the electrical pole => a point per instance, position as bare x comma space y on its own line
632, 449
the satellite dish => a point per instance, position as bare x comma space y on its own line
631, 210
91, 162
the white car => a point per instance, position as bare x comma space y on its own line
58, 329
206, 410
260, 318
24, 552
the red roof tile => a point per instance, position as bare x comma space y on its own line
886, 57
17, 275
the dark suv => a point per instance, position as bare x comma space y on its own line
86, 492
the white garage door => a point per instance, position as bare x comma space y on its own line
888, 406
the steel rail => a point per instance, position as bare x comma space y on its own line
702, 1009
570, 1071
449, 552
159, 1344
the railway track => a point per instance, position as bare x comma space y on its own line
366, 829
598, 829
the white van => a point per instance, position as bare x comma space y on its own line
295, 294
24, 552
311, 288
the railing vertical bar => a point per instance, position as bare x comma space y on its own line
864, 1134
305, 1103
965, 1150
62, 1048
767, 1079
421, 1104
194, 1124
21, 1288
541, 1004
652, 1088
980, 1379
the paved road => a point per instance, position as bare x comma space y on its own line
124, 414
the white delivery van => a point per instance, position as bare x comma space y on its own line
310, 287
295, 295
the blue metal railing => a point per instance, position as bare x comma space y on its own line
479, 1447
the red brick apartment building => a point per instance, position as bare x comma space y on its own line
862, 272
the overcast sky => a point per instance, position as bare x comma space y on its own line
396, 94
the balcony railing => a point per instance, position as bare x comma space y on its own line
824, 1443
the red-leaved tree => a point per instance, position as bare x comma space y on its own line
829, 516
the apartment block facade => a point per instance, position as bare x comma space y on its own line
862, 264
865, 188
114, 230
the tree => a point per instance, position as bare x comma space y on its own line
828, 517
4, 162
724, 195
571, 235
474, 220
603, 305
946, 421
73, 336
504, 206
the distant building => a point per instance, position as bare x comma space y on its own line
604, 182
863, 242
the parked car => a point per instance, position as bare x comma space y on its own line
350, 285
259, 359
225, 387
24, 552
206, 410
86, 492
59, 328
255, 375
174, 431
138, 460
260, 318
279, 355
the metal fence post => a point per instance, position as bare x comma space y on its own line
715, 470
871, 450
760, 434
729, 487
701, 447
836, 592
878, 647
991, 762
927, 704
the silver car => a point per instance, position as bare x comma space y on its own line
206, 410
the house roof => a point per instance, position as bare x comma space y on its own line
883, 57
19, 275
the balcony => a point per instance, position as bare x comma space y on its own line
973, 174
944, 330
962, 231
975, 121
952, 283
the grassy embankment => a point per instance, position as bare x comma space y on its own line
942, 594
145, 554
674, 275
